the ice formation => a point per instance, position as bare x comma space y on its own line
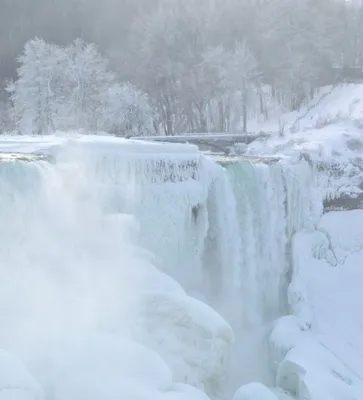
154, 270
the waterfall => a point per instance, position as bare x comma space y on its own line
133, 241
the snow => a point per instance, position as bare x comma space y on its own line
254, 391
319, 351
348, 239
331, 105
47, 143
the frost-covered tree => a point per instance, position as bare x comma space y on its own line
73, 88
243, 75
35, 103
6, 122
127, 111
87, 77
168, 45
214, 86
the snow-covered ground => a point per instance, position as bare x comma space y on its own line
330, 105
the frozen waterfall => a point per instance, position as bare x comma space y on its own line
118, 254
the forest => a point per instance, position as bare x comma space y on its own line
144, 67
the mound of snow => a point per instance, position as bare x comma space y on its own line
254, 391
285, 335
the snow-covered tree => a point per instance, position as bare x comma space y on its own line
243, 75
87, 77
35, 103
73, 88
127, 111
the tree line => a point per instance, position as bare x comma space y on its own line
174, 65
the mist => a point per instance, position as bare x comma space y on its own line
69, 275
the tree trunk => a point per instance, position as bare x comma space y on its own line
244, 109
222, 124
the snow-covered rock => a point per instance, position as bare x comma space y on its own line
254, 391
285, 335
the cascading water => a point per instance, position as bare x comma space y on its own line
225, 234
274, 199
80, 236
